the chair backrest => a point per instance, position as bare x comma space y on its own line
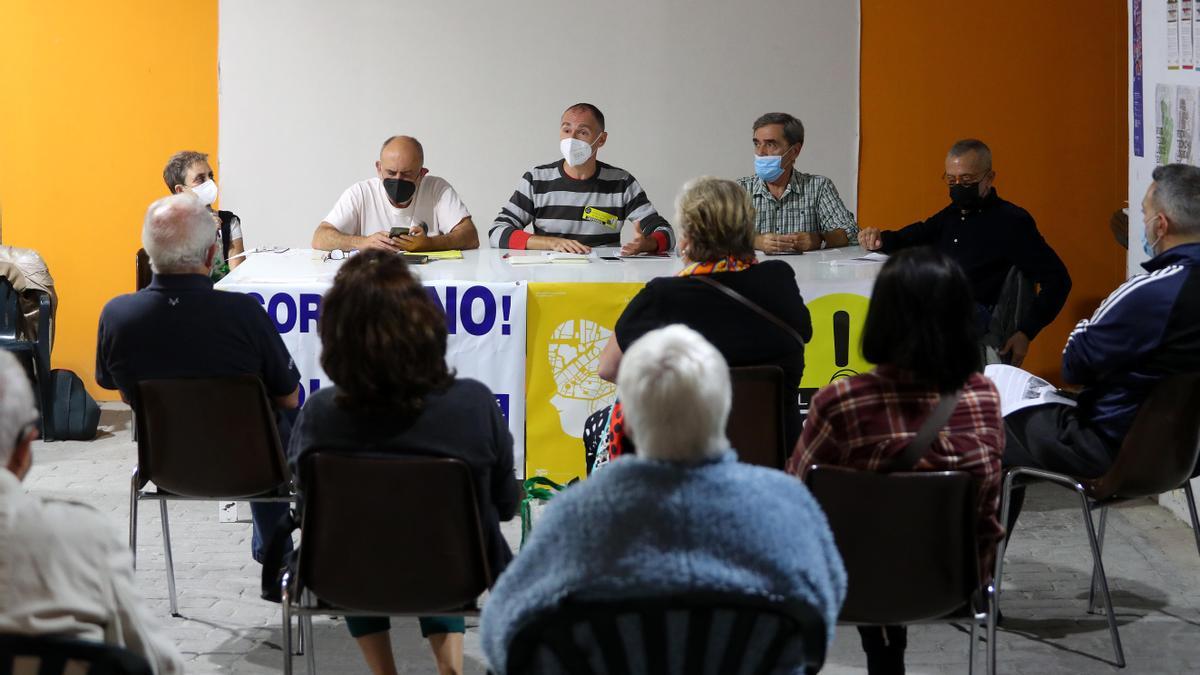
755, 426
710, 633
143, 272
209, 437
11, 317
52, 655
907, 541
386, 532
1160, 450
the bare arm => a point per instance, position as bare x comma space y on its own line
327, 237
538, 242
289, 402
236, 247
462, 237
610, 360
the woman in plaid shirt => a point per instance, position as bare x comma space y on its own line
920, 331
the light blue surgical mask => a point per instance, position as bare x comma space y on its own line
1147, 245
768, 167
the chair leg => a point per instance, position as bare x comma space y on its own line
1099, 569
992, 611
1191, 502
166, 530
971, 649
1099, 541
287, 628
133, 516
310, 651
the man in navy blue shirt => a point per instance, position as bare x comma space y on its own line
988, 236
179, 326
1146, 330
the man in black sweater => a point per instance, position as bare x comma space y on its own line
988, 236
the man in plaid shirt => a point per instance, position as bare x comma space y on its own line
795, 211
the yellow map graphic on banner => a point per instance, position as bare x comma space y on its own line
568, 325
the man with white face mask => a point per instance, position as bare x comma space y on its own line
578, 202
403, 196
190, 171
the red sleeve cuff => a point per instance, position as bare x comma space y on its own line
518, 240
663, 243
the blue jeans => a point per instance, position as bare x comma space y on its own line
266, 517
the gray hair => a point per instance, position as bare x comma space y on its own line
962, 147
177, 233
1177, 195
175, 173
793, 129
674, 388
17, 410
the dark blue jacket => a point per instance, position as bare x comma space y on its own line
1145, 330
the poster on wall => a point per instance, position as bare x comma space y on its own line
1172, 41
1185, 123
1186, 58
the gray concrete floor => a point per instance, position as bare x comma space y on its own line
1150, 556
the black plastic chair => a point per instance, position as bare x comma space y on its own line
36, 352
908, 541
362, 513
718, 633
209, 439
55, 655
756, 418
1159, 454
143, 273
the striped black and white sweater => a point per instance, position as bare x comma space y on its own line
590, 211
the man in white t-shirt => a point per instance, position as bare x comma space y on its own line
423, 210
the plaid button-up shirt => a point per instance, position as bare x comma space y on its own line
862, 422
810, 203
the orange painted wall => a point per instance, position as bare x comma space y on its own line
94, 98
1044, 84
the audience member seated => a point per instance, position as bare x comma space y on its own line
578, 202
716, 241
987, 236
404, 196
189, 171
179, 326
64, 569
794, 211
683, 517
384, 348
1144, 331
920, 332
27, 272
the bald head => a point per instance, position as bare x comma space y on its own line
406, 147
179, 234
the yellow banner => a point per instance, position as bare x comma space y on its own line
568, 325
836, 347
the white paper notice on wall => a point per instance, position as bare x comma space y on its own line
1173, 34
1186, 54
1185, 123
1164, 123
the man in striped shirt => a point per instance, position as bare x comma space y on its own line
579, 202
795, 211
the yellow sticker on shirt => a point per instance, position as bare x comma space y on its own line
603, 217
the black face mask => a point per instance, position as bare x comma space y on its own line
965, 196
399, 190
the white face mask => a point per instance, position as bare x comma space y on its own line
575, 151
206, 192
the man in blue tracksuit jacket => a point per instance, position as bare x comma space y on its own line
1146, 330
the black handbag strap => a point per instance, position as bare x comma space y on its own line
753, 306
923, 441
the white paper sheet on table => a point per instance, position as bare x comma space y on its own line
546, 258
868, 259
1020, 389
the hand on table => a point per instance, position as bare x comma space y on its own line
870, 238
640, 242
563, 245
415, 240
775, 243
806, 241
379, 241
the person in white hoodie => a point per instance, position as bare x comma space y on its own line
64, 569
